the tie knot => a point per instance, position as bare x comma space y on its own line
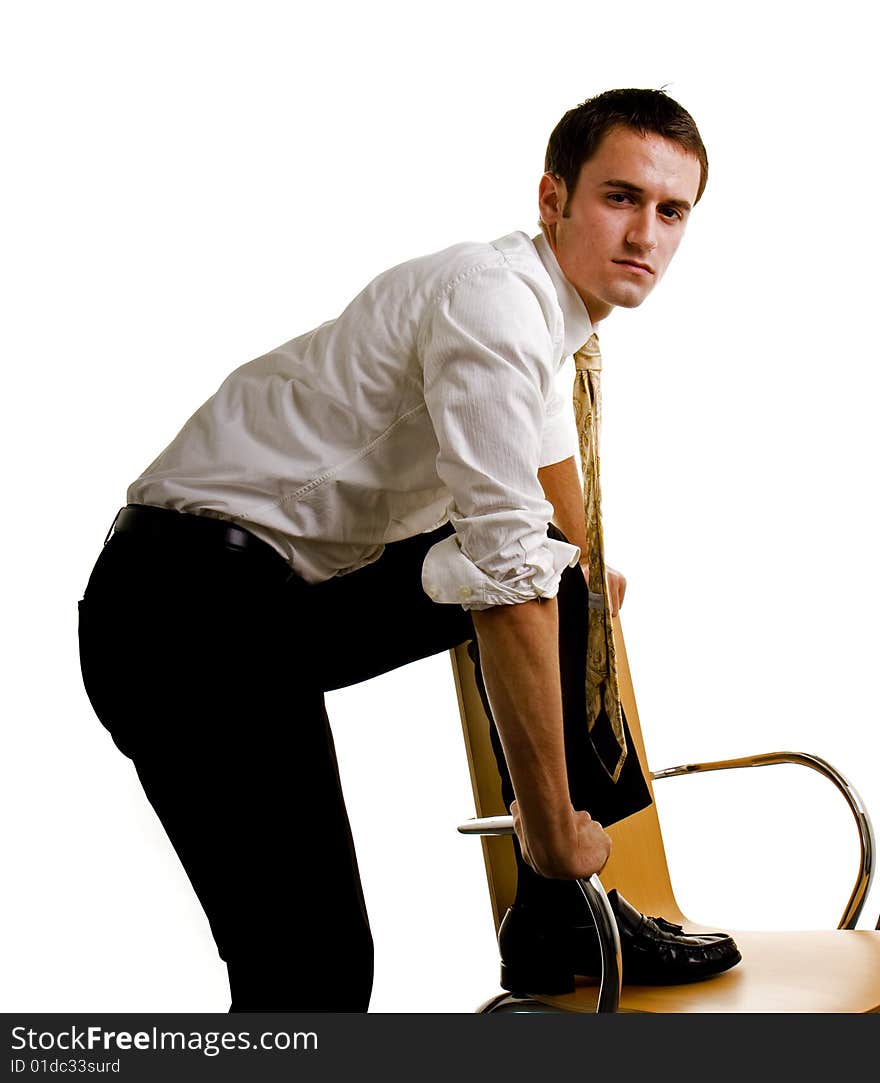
589, 356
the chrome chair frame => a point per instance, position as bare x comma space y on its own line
611, 978
865, 873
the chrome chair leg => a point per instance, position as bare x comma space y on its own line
597, 902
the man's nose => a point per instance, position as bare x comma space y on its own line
642, 233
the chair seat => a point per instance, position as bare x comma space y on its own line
805, 972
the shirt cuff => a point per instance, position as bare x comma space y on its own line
449, 577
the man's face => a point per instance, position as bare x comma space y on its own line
625, 219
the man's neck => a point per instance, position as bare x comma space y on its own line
596, 310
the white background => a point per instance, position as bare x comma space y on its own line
186, 185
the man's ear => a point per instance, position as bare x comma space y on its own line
552, 196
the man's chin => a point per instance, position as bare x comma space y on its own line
627, 298
618, 295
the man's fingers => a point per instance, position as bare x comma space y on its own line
587, 854
616, 590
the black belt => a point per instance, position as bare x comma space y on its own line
154, 522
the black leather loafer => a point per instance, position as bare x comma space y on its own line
539, 955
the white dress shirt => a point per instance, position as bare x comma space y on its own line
433, 396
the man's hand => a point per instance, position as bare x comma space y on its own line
616, 586
616, 589
586, 851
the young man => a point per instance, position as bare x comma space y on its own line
372, 492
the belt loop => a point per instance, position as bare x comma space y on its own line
113, 524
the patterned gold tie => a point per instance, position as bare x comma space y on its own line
604, 715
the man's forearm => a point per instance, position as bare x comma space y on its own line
520, 662
519, 657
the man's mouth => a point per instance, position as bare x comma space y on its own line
634, 265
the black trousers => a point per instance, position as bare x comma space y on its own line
208, 665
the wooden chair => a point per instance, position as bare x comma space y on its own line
834, 970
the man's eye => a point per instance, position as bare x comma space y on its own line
620, 197
671, 212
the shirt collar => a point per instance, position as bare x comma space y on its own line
578, 327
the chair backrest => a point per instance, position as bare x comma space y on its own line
637, 866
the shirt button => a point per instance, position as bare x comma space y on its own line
464, 592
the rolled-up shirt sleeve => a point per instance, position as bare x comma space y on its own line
560, 433
489, 372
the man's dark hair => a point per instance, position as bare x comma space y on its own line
576, 138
